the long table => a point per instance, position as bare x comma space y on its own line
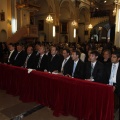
68, 96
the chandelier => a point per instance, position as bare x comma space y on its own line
90, 26
74, 24
115, 1
49, 19
100, 28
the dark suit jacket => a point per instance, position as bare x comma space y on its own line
11, 60
79, 70
105, 62
43, 64
31, 61
98, 72
67, 67
20, 60
108, 68
55, 63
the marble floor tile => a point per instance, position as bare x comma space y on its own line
46, 114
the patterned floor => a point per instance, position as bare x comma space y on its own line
11, 108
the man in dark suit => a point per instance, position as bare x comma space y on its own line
37, 47
77, 66
42, 59
112, 72
112, 77
20, 56
12, 53
66, 63
106, 56
94, 69
54, 61
30, 58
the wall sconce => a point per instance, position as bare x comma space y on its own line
100, 28
9, 21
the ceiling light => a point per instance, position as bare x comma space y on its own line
49, 19
74, 24
90, 26
105, 1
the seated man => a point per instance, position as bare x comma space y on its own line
112, 77
20, 56
12, 53
94, 69
106, 57
77, 66
41, 59
54, 60
112, 72
67, 61
30, 58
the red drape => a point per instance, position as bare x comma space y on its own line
68, 96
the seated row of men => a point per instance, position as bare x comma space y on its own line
68, 64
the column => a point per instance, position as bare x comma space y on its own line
117, 31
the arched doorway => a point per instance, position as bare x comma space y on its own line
67, 15
3, 35
101, 30
83, 21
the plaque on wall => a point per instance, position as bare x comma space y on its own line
2, 16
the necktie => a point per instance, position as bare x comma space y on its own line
52, 58
62, 69
38, 66
74, 67
92, 68
25, 65
112, 75
16, 56
113, 71
9, 56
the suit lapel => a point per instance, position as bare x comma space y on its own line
118, 73
77, 66
95, 68
109, 70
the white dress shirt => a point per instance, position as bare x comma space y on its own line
113, 73
11, 52
93, 64
64, 61
27, 58
74, 67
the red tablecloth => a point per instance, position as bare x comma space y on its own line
82, 99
